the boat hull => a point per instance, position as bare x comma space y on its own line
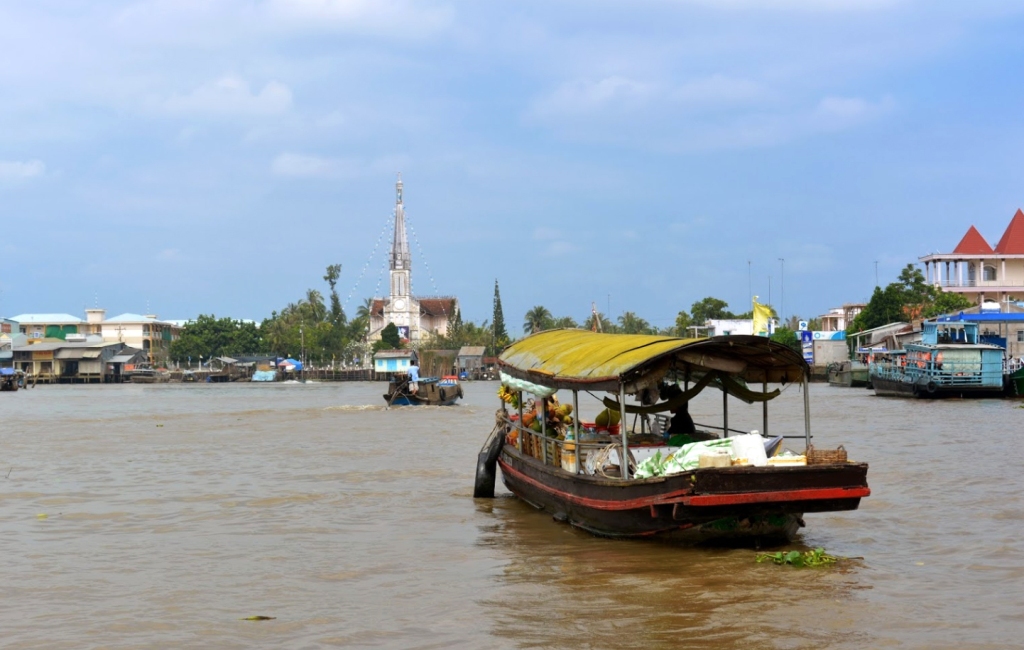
887, 387
700, 505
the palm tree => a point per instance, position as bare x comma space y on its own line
565, 322
633, 324
315, 301
537, 319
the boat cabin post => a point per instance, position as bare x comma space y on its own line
576, 426
519, 425
807, 406
624, 460
543, 415
725, 411
764, 406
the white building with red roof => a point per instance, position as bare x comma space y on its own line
416, 317
979, 271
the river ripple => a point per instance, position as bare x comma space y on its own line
174, 511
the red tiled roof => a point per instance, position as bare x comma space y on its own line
378, 307
1012, 242
973, 244
437, 306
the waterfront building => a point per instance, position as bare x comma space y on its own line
414, 316
839, 318
56, 361
146, 333
386, 362
48, 326
980, 272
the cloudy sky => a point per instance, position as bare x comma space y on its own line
214, 156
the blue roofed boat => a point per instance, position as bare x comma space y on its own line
949, 361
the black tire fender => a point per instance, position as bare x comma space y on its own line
487, 465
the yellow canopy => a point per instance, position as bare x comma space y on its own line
578, 359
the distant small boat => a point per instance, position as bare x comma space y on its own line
432, 391
11, 379
848, 374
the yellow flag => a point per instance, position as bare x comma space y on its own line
762, 313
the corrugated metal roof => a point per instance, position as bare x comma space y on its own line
580, 359
123, 358
472, 351
70, 353
44, 319
394, 354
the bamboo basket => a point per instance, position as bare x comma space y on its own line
826, 456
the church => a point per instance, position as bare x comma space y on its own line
417, 317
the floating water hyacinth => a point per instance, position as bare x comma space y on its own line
815, 558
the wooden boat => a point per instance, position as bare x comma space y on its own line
848, 374
699, 504
432, 391
948, 362
11, 379
1015, 382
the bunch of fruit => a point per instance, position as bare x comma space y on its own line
607, 418
557, 418
508, 396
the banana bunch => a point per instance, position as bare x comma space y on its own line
508, 396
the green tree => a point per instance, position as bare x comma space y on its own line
499, 336
683, 321
787, 337
331, 277
565, 322
389, 339
710, 308
537, 319
209, 336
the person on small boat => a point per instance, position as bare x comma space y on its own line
414, 377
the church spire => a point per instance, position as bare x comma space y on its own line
401, 260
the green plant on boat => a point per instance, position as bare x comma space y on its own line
817, 557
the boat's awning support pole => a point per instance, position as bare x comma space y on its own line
725, 412
576, 426
543, 415
807, 407
624, 460
764, 405
522, 429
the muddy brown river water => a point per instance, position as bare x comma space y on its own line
160, 516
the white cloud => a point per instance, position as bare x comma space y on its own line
809, 6
615, 94
402, 18
231, 96
14, 171
304, 166
833, 113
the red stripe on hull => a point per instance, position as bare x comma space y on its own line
775, 497
685, 497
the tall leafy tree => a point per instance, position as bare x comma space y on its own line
710, 308
499, 336
208, 336
683, 321
565, 322
331, 277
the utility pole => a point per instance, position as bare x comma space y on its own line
782, 281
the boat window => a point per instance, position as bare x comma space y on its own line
990, 273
